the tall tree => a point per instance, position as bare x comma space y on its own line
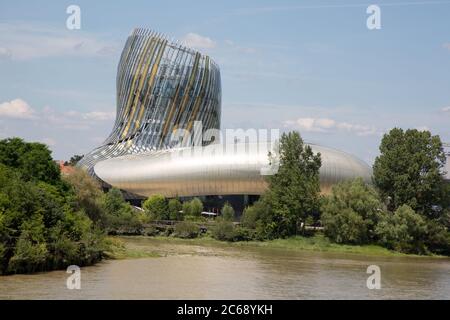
74, 160
32, 159
294, 191
409, 170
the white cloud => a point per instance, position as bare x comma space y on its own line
446, 109
17, 109
20, 109
5, 53
240, 49
25, 41
195, 40
99, 115
327, 125
446, 45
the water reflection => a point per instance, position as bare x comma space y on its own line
227, 272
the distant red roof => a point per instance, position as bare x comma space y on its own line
65, 169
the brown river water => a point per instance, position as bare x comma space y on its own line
188, 271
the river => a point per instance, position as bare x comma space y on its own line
189, 271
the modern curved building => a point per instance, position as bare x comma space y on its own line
163, 87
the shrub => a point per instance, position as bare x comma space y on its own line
156, 207
150, 231
227, 212
186, 208
403, 231
350, 212
87, 194
249, 217
223, 230
186, 230
438, 240
174, 207
243, 234
345, 227
120, 216
196, 207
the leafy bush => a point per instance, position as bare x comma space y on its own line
345, 227
150, 231
87, 194
186, 208
249, 217
174, 208
156, 207
227, 212
120, 217
186, 230
192, 210
243, 234
350, 212
404, 231
223, 230
196, 207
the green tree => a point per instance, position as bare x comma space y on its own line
174, 207
350, 212
227, 212
156, 207
87, 194
294, 191
74, 160
404, 230
409, 170
33, 160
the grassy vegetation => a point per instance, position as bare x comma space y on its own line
318, 243
117, 249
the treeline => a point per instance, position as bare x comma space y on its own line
49, 221
406, 208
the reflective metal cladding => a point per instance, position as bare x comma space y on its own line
216, 169
161, 87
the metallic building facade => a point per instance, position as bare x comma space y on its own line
216, 169
161, 86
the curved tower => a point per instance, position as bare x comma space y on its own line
161, 86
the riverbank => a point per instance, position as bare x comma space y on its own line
120, 249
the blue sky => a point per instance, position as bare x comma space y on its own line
312, 66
